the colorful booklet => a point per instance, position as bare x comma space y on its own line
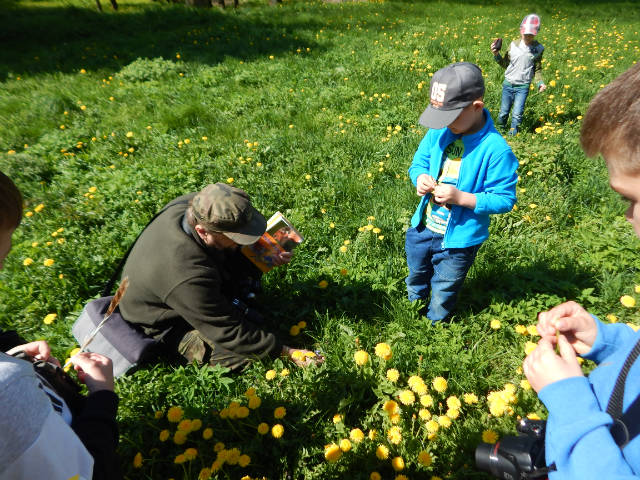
281, 236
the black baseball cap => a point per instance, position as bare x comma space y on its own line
453, 88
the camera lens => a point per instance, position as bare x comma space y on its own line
483, 456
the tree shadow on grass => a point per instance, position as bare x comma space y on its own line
66, 39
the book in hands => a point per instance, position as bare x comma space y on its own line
281, 236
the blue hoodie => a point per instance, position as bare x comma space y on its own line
577, 439
488, 170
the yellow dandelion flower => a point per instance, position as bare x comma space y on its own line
361, 357
398, 464
521, 329
424, 458
375, 476
323, 284
444, 421
137, 460
612, 318
337, 418
254, 402
453, 402
452, 413
242, 412
218, 447
394, 435
627, 301
279, 412
345, 445
263, 428
129, 134
432, 426
207, 433
407, 397
284, 372
244, 460
426, 401
532, 330
185, 425
294, 331
391, 407
382, 452
439, 384
174, 414
524, 384
393, 375
180, 459
49, 318
48, 262
401, 477
373, 433
277, 430
204, 474
529, 347
270, 375
489, 436
424, 414
356, 435
495, 324
27, 261
38, 208
383, 351
332, 453
191, 453
470, 398
180, 437
158, 413
164, 435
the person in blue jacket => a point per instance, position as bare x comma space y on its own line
463, 171
582, 439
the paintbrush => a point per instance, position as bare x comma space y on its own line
107, 315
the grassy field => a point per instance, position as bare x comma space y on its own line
312, 108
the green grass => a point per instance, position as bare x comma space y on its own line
312, 108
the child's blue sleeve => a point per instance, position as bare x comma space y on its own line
499, 193
421, 159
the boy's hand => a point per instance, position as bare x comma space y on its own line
445, 194
94, 370
425, 184
38, 350
543, 367
542, 87
302, 357
573, 322
496, 45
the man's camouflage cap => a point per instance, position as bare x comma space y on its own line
225, 209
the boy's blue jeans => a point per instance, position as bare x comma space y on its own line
436, 271
515, 97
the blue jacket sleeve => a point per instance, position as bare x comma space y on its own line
608, 340
577, 438
421, 159
499, 193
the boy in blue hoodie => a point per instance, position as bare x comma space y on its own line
593, 425
463, 171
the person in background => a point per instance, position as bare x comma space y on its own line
43, 434
523, 64
593, 425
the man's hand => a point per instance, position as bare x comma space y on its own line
543, 367
281, 259
39, 350
573, 322
302, 357
425, 184
94, 370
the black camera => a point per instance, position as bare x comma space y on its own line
516, 457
